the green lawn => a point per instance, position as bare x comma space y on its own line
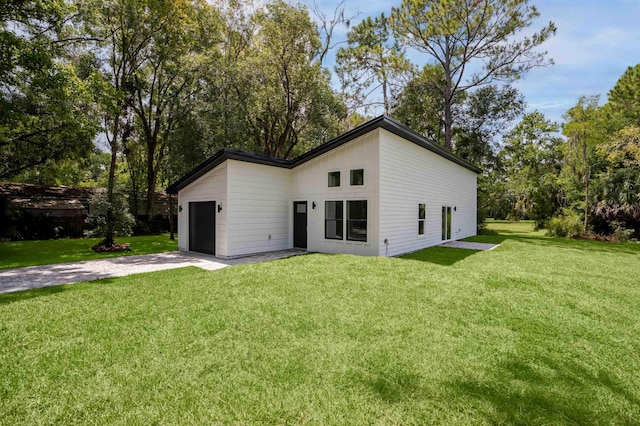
14, 254
536, 331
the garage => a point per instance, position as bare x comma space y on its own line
202, 227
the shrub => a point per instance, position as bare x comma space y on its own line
620, 233
567, 224
97, 218
487, 231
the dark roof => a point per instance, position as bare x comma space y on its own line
8, 189
382, 121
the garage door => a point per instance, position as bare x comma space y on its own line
202, 227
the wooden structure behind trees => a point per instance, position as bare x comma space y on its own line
44, 212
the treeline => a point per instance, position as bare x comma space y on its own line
162, 85
586, 183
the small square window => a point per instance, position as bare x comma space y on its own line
357, 177
334, 179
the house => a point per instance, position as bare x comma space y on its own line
380, 189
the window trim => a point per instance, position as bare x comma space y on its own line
351, 177
366, 220
422, 220
329, 173
341, 220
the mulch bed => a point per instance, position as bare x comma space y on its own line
101, 247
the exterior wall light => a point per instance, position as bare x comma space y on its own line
219, 208
313, 205
179, 208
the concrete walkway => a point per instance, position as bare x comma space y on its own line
470, 245
31, 277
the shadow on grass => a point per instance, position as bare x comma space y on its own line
569, 243
445, 256
384, 376
548, 391
18, 296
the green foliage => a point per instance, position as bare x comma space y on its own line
371, 62
567, 224
483, 117
89, 172
456, 32
585, 129
288, 100
624, 98
45, 108
97, 221
420, 105
532, 159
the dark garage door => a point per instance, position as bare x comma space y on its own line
202, 227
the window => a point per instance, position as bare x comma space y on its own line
334, 179
446, 223
333, 220
357, 177
422, 213
357, 220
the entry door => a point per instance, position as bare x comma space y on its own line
446, 223
202, 227
300, 224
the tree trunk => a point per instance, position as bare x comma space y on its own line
151, 191
108, 238
586, 199
587, 179
448, 99
387, 109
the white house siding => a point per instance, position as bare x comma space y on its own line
410, 175
257, 208
210, 187
310, 183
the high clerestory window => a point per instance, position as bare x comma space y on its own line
334, 179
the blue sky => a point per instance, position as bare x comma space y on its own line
595, 43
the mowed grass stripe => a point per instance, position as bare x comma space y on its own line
537, 331
18, 254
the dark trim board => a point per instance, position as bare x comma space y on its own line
382, 121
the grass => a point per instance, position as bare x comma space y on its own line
15, 254
536, 331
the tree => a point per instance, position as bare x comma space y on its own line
45, 107
327, 25
461, 35
371, 63
117, 29
165, 83
419, 104
89, 171
584, 129
288, 102
533, 159
624, 98
485, 115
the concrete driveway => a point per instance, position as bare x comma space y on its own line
31, 277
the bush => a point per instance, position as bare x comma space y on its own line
567, 224
620, 233
487, 231
97, 218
